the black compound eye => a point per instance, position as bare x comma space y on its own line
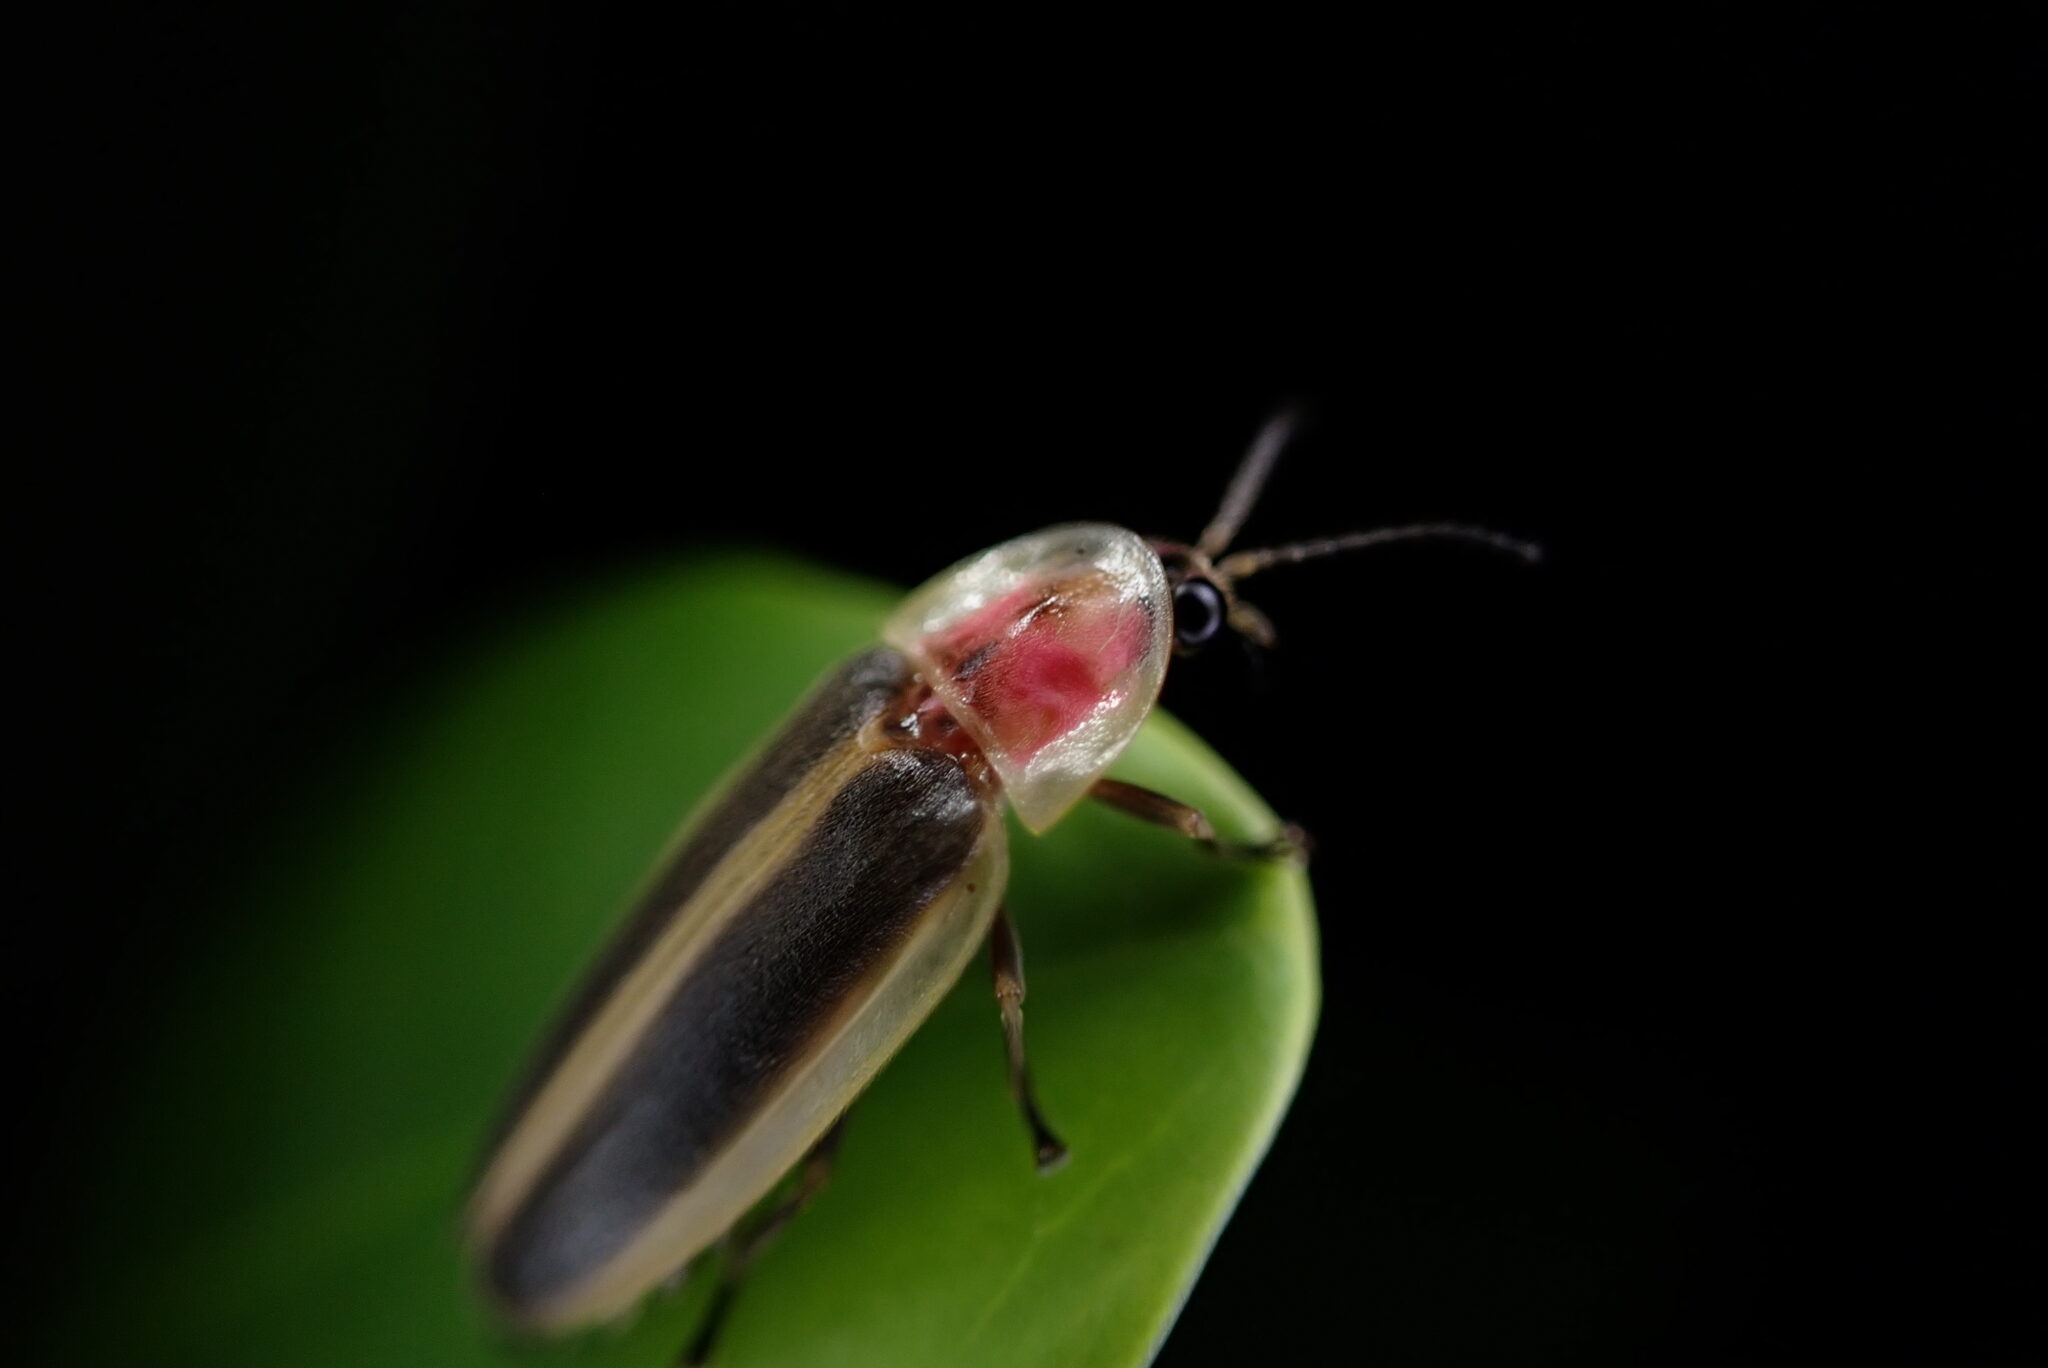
1197, 613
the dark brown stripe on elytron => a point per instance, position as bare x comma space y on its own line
895, 837
835, 710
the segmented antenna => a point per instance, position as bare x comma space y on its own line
1250, 479
1243, 563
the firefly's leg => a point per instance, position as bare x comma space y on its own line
753, 1234
1291, 844
1006, 961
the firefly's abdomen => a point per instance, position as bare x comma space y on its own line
806, 924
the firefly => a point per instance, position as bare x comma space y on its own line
813, 912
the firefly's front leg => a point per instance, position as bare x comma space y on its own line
745, 1241
1292, 844
1006, 961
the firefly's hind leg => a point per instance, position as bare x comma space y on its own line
1006, 962
1292, 844
755, 1231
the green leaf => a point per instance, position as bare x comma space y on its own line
291, 1163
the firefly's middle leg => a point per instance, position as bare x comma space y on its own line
1006, 961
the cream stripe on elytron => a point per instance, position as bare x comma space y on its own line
588, 1065
848, 1052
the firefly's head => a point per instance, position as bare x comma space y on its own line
1049, 650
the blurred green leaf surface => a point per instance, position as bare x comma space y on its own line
288, 1173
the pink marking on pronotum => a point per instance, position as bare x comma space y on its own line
1033, 666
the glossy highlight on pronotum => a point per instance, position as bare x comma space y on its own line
812, 914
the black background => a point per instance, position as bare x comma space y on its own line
1676, 1010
